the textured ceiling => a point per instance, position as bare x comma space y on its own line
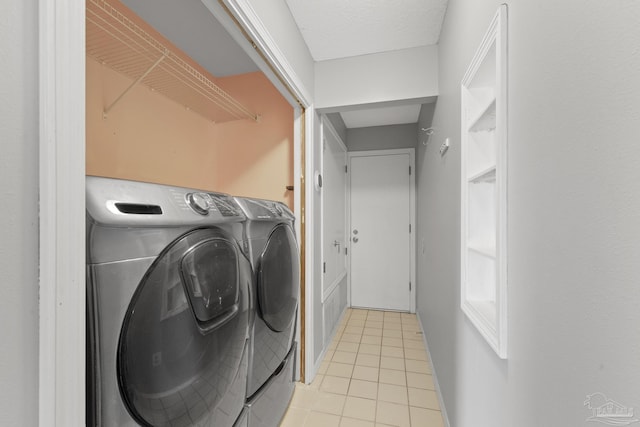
331, 29
335, 29
340, 28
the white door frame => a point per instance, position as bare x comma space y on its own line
412, 214
61, 360
62, 197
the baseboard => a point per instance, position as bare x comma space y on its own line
316, 364
443, 409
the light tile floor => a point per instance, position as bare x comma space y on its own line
376, 372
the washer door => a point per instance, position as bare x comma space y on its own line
279, 279
182, 341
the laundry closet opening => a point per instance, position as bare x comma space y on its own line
184, 118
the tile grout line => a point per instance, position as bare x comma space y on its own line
405, 327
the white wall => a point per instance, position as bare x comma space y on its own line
19, 214
574, 198
382, 77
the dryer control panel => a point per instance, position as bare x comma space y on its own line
257, 209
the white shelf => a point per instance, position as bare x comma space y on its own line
482, 314
483, 193
488, 174
485, 118
120, 40
486, 249
487, 310
481, 153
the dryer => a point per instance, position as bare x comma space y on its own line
168, 306
271, 243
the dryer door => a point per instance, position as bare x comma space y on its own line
181, 349
279, 279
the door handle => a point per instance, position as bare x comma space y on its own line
336, 244
355, 240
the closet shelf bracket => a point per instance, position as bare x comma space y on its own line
134, 84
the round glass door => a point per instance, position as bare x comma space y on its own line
183, 337
279, 279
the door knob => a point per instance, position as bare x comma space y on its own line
355, 240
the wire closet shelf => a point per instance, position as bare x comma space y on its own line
123, 42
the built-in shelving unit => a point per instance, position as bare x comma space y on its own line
120, 40
484, 187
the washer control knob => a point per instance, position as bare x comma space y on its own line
199, 202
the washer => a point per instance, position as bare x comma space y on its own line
168, 306
271, 242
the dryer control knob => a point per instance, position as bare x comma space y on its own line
199, 202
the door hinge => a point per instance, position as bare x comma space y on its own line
345, 169
345, 251
409, 228
409, 286
409, 170
324, 267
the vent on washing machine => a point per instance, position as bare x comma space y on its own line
138, 209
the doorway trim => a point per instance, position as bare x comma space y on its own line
61, 358
412, 215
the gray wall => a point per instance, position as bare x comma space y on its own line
425, 120
19, 214
381, 137
338, 125
573, 204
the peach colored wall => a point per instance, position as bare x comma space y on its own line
150, 138
257, 158
145, 137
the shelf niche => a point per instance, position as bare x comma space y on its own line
484, 198
117, 38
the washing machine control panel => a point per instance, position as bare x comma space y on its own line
199, 202
202, 203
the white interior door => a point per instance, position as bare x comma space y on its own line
334, 210
381, 225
